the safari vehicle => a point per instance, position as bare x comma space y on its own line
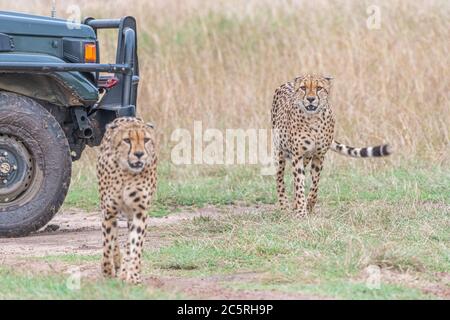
56, 98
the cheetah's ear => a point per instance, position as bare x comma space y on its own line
297, 82
111, 126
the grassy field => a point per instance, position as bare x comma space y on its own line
219, 62
199, 186
397, 220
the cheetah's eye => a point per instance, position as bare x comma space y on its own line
319, 88
127, 141
303, 88
146, 140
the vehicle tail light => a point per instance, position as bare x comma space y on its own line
107, 82
111, 83
90, 53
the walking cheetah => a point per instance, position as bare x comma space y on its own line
126, 172
303, 125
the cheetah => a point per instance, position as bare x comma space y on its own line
303, 126
126, 171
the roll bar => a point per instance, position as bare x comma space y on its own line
122, 98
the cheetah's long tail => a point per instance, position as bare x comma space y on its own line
368, 152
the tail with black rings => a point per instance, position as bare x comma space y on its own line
367, 152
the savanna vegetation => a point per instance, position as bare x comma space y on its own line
219, 62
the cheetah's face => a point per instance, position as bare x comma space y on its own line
311, 93
135, 147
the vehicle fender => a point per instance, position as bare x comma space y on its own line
59, 88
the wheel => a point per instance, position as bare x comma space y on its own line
35, 165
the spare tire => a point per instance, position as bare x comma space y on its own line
35, 165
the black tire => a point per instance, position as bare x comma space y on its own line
26, 125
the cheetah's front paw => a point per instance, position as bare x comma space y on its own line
108, 269
130, 277
284, 206
310, 210
300, 213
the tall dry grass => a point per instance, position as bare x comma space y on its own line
220, 62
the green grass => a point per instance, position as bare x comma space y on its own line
385, 235
324, 255
198, 187
14, 285
72, 259
396, 219
83, 195
347, 290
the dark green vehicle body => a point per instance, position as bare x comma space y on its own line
41, 40
43, 61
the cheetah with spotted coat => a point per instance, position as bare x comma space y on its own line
303, 125
126, 172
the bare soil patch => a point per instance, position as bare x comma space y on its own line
76, 231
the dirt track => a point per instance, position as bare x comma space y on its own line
78, 232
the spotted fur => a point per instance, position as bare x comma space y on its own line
303, 124
126, 172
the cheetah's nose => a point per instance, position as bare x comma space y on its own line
139, 154
311, 99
